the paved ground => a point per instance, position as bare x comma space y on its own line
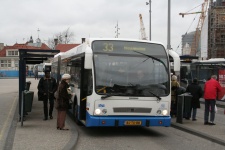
215, 133
36, 134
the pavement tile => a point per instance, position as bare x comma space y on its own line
36, 134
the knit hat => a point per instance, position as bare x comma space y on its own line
66, 76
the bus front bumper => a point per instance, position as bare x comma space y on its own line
145, 121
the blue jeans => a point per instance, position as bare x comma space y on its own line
209, 105
194, 112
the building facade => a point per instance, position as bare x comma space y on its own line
9, 56
216, 29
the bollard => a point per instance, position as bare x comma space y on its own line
180, 108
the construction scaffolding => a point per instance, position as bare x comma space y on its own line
216, 30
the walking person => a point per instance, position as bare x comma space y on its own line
47, 87
64, 95
36, 73
196, 92
174, 86
211, 88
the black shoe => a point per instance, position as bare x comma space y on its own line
187, 118
194, 119
51, 117
211, 123
206, 123
46, 118
63, 129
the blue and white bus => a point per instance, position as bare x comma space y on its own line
39, 67
106, 87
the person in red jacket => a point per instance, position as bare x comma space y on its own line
211, 88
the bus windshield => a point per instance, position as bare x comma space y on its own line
125, 68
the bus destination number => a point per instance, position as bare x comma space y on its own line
108, 47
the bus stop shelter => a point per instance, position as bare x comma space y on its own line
31, 56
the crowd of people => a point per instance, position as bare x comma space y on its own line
211, 89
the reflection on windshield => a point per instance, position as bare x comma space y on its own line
132, 75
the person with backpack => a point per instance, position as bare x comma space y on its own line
47, 87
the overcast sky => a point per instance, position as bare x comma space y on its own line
94, 18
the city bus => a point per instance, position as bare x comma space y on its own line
40, 70
106, 89
204, 69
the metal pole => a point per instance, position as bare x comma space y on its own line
168, 30
150, 11
22, 104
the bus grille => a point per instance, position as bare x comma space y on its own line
131, 110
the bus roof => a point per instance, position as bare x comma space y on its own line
121, 39
210, 61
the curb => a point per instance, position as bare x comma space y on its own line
74, 137
197, 133
10, 130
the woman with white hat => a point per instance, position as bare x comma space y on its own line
63, 101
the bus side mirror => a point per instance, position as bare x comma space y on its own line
88, 61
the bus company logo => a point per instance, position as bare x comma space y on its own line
163, 105
101, 105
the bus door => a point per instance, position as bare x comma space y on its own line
86, 87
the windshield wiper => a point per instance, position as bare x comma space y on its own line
158, 98
149, 56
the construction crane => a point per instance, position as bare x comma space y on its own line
195, 43
142, 28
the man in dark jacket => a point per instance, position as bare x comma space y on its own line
196, 92
47, 87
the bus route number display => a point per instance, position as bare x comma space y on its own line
118, 46
108, 47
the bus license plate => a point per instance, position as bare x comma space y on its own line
133, 123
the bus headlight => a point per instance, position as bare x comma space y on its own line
97, 111
164, 112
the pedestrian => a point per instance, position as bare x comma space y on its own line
211, 88
36, 73
47, 87
64, 95
174, 86
196, 92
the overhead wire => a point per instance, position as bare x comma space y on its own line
187, 31
189, 26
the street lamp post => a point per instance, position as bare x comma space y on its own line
149, 3
168, 30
